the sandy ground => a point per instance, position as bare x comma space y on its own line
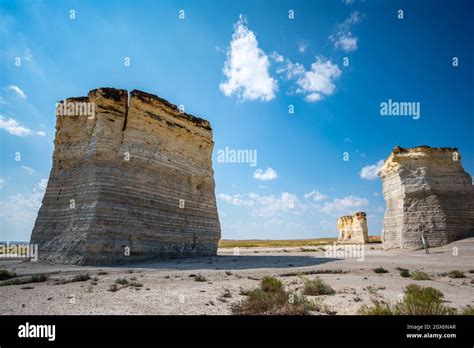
169, 287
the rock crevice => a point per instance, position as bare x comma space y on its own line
125, 186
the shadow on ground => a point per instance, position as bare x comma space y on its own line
232, 262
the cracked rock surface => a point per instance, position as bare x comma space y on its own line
428, 196
133, 182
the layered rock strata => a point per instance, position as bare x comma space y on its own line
353, 229
132, 182
428, 196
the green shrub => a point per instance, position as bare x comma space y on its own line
316, 287
113, 288
419, 275
456, 274
271, 284
4, 274
405, 273
200, 278
37, 278
121, 281
135, 284
417, 300
377, 309
81, 277
468, 310
380, 270
271, 298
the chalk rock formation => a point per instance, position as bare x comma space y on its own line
427, 193
132, 182
353, 229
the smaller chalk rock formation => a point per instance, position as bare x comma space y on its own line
429, 197
353, 229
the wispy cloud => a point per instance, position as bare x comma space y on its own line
30, 170
13, 127
2, 182
247, 67
371, 172
315, 196
343, 38
27, 55
270, 205
17, 90
302, 46
237, 200
267, 174
19, 211
265, 205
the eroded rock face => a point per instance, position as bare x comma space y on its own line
353, 229
134, 179
427, 192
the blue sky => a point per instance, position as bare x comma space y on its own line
243, 65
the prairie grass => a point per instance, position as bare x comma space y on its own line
272, 298
417, 300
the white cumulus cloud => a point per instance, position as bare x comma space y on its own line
246, 67
319, 81
315, 83
371, 172
346, 205
267, 174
